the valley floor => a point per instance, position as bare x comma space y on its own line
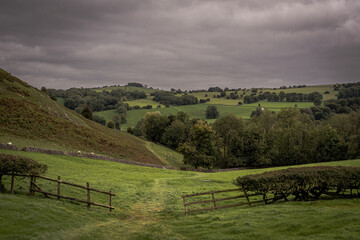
149, 206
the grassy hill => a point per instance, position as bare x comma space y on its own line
149, 206
30, 118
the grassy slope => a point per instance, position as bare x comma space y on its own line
28, 116
149, 206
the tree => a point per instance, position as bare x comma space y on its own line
73, 101
317, 101
87, 113
175, 134
154, 126
99, 119
10, 164
229, 131
110, 124
211, 112
117, 120
199, 150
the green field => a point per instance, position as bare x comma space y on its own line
144, 102
309, 89
149, 206
198, 110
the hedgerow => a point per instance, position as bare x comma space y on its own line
304, 183
10, 164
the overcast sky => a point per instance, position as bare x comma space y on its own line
187, 44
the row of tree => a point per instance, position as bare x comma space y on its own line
169, 98
315, 97
77, 98
287, 138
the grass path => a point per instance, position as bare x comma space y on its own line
149, 206
148, 146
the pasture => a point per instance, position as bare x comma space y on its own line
198, 110
149, 206
309, 89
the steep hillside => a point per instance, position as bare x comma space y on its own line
30, 115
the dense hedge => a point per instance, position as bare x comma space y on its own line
304, 183
19, 165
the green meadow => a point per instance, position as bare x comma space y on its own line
149, 206
309, 89
198, 110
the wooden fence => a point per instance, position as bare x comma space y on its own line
214, 200
34, 187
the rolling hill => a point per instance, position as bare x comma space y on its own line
30, 117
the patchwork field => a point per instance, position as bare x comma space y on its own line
198, 110
149, 206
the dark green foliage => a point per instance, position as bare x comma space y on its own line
211, 112
215, 89
289, 137
110, 124
87, 113
53, 97
288, 97
135, 84
303, 183
175, 134
154, 126
73, 102
99, 119
97, 101
200, 150
349, 90
10, 164
229, 131
121, 110
167, 98
44, 90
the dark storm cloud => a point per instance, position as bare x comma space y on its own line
181, 44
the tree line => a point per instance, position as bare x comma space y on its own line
77, 98
315, 97
289, 137
169, 98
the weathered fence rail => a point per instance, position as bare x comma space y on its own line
214, 200
34, 187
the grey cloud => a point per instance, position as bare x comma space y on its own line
181, 43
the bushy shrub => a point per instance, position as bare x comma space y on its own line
304, 183
10, 164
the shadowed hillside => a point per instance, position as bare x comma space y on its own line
32, 116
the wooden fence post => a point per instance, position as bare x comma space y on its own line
58, 188
12, 182
110, 201
247, 197
88, 194
185, 205
213, 198
31, 185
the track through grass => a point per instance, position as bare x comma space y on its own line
149, 206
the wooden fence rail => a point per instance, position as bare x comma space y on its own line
34, 187
214, 200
